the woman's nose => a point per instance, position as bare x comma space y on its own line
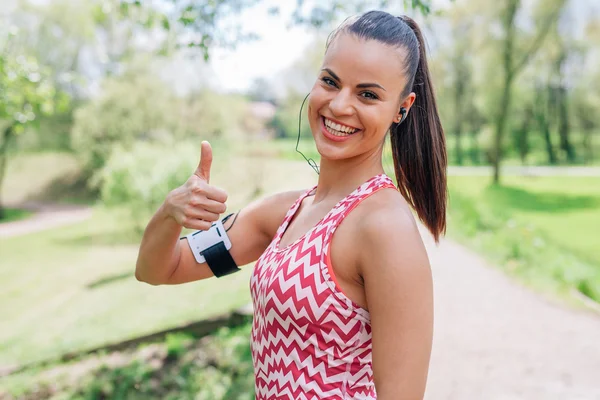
341, 104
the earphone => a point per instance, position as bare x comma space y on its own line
403, 112
310, 161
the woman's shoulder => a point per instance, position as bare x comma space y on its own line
269, 211
389, 233
385, 212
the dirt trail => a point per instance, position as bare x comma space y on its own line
45, 217
495, 340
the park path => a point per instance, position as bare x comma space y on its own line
525, 171
495, 340
46, 216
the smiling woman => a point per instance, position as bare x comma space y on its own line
342, 287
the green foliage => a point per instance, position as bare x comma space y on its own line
131, 107
139, 180
195, 24
214, 367
137, 106
286, 120
15, 214
25, 90
176, 344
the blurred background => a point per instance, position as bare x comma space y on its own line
104, 103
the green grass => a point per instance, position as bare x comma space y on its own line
14, 214
74, 289
43, 176
543, 230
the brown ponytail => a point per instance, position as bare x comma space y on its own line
419, 148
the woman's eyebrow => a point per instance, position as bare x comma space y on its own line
360, 85
369, 85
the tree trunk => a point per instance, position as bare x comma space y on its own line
458, 144
507, 64
475, 148
544, 126
512, 68
500, 126
563, 125
544, 110
7, 137
523, 140
588, 149
460, 69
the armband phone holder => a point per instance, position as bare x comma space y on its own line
212, 247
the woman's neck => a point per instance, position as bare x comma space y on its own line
338, 178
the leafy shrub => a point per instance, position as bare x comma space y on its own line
215, 367
139, 180
177, 344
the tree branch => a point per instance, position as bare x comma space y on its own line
537, 42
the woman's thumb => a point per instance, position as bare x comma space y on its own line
203, 169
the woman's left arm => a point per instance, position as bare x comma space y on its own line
399, 293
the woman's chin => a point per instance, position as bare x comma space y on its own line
330, 152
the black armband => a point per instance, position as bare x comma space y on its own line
212, 247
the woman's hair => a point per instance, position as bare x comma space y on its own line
418, 143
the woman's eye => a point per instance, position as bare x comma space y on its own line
329, 81
370, 95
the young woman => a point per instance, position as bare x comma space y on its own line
342, 288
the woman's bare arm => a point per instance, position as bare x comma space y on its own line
250, 235
165, 259
399, 293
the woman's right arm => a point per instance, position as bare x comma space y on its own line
165, 259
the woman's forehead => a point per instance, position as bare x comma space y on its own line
356, 59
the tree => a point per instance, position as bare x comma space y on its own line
133, 106
452, 67
26, 92
515, 57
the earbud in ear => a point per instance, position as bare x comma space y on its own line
403, 113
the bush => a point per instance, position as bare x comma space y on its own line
215, 367
138, 181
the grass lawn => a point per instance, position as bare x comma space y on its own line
543, 229
73, 288
44, 176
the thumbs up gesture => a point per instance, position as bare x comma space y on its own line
196, 204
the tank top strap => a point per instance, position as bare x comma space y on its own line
346, 205
290, 214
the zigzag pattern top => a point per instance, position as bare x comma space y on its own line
310, 341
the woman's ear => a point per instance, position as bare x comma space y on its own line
405, 107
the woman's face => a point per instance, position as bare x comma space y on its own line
356, 97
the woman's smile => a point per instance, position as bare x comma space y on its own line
336, 131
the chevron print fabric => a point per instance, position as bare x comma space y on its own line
309, 341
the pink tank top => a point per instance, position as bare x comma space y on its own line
310, 341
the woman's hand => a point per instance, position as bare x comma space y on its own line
196, 204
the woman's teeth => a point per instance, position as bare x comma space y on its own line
337, 129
